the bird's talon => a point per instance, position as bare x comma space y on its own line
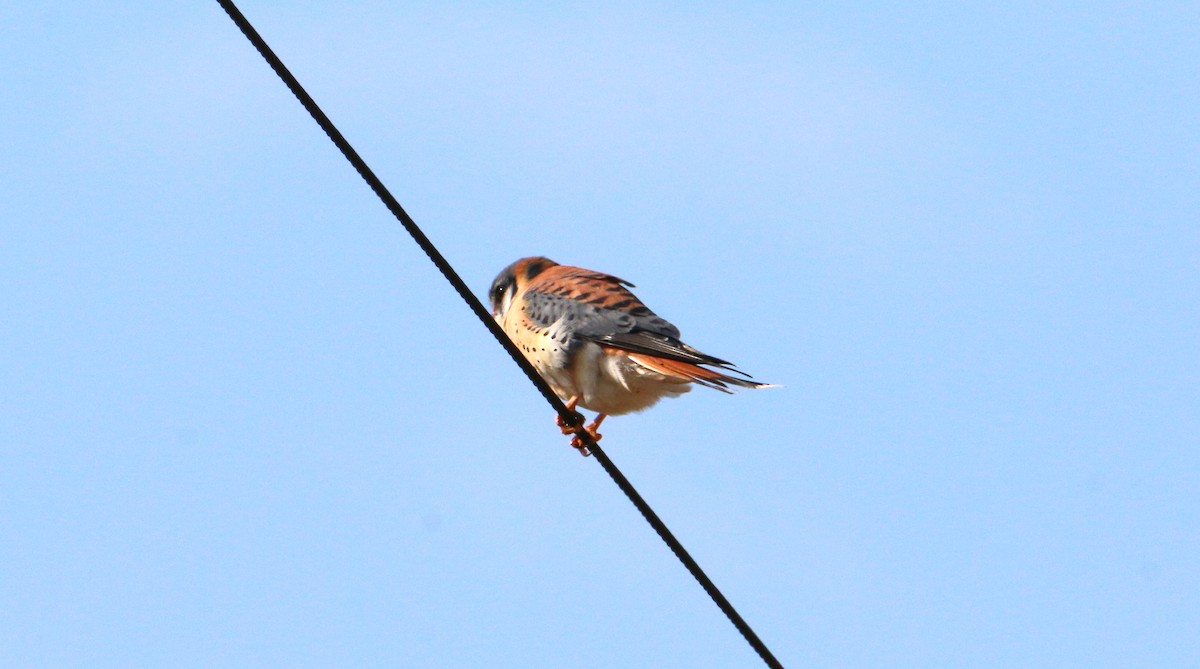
578, 445
573, 427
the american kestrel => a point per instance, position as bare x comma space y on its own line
596, 344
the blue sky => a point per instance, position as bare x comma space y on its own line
244, 422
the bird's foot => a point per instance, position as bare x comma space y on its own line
578, 443
573, 427
576, 427
591, 430
576, 422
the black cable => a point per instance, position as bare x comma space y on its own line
485, 316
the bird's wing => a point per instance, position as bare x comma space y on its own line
589, 304
596, 307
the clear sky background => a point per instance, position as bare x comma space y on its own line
245, 423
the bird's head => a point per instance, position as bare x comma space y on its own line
512, 280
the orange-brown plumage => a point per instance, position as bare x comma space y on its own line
596, 343
683, 370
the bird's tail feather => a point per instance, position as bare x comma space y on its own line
686, 371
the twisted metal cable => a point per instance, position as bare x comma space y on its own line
570, 417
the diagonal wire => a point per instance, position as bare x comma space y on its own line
571, 417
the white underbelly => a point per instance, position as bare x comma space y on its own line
607, 383
612, 384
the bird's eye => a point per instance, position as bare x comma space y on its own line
498, 297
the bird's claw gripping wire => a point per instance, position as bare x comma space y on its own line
576, 427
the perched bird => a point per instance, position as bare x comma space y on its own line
596, 344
